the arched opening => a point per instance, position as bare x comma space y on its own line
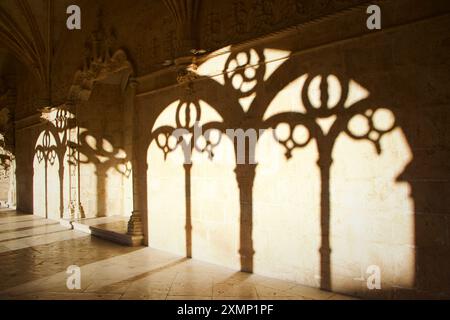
46, 179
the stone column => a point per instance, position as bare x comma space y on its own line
75, 207
12, 185
135, 230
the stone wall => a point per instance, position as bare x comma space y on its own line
26, 138
358, 195
102, 174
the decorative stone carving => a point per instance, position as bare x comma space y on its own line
101, 64
264, 15
240, 17
245, 19
7, 104
213, 28
153, 43
187, 71
7, 148
116, 69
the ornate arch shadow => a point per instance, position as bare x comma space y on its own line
244, 76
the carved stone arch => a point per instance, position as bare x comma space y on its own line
101, 65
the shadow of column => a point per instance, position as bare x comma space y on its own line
61, 186
188, 227
46, 187
324, 162
245, 175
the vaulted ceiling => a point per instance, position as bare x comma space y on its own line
28, 35
25, 35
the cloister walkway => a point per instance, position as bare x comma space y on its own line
35, 254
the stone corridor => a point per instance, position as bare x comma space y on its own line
35, 253
178, 149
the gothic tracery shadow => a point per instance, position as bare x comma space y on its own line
242, 100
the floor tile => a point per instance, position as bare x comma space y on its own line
35, 254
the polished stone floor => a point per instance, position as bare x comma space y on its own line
35, 254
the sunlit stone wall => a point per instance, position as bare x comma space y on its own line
376, 176
103, 176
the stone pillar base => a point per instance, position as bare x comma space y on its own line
117, 237
135, 224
